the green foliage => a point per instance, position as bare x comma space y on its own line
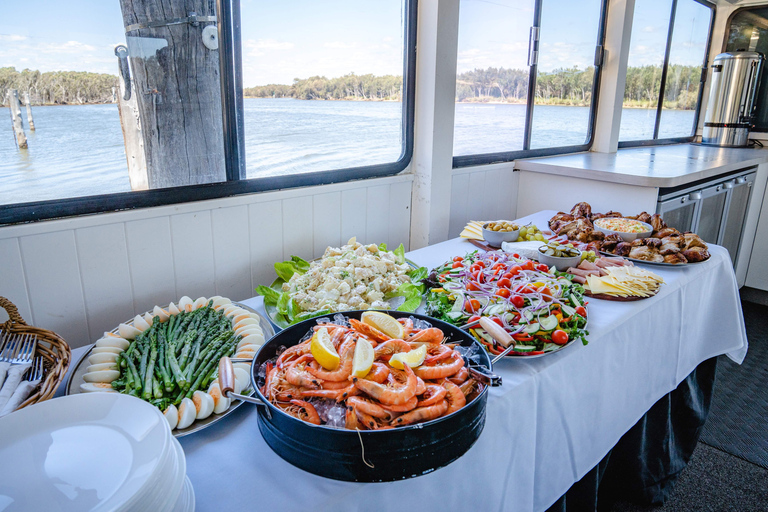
347, 87
58, 87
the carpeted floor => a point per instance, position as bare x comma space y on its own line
728, 471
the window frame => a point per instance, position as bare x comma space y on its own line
508, 156
654, 141
230, 62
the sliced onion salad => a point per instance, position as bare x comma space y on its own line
539, 302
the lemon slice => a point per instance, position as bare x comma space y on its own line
383, 322
323, 350
363, 359
413, 358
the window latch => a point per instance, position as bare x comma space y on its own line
533, 47
122, 55
599, 55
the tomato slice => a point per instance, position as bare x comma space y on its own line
522, 337
458, 258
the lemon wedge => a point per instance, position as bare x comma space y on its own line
413, 358
383, 322
323, 350
363, 358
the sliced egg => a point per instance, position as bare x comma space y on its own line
187, 413
101, 366
172, 416
253, 339
220, 402
163, 314
246, 367
140, 324
203, 404
232, 308
185, 304
251, 346
96, 387
148, 318
104, 357
113, 341
248, 329
242, 380
247, 321
245, 354
242, 316
173, 309
101, 376
110, 334
106, 350
219, 302
128, 332
200, 302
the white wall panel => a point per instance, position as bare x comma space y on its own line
82, 276
192, 238
231, 252
459, 201
12, 284
106, 276
53, 281
483, 193
150, 257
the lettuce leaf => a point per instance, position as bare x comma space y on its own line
400, 254
383, 247
270, 296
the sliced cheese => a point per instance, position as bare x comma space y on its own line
473, 230
626, 281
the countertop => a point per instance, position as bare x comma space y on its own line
653, 166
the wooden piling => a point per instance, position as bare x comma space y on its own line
130, 122
177, 89
30, 121
18, 129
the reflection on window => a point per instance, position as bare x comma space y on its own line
749, 32
492, 76
641, 118
323, 84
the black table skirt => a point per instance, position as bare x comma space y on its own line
644, 465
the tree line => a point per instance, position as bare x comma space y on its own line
58, 87
347, 87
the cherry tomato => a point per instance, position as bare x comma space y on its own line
472, 306
546, 293
457, 264
475, 268
515, 255
473, 286
508, 275
515, 270
581, 310
560, 337
524, 290
458, 258
504, 282
478, 276
498, 321
528, 265
503, 292
498, 266
480, 263
518, 301
542, 268
473, 319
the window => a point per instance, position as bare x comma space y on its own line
667, 56
513, 100
328, 91
748, 31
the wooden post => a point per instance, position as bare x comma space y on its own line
18, 129
131, 125
29, 112
176, 84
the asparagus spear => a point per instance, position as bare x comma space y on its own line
150, 373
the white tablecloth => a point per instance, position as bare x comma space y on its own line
553, 419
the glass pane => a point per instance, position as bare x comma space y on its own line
323, 84
492, 76
749, 32
565, 72
63, 58
650, 27
686, 58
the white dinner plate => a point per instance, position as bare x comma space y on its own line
93, 451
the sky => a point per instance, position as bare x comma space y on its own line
288, 39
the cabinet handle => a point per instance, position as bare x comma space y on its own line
695, 196
741, 179
728, 184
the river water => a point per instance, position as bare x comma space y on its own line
78, 150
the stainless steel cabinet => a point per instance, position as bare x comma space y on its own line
740, 192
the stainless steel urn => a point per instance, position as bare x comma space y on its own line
731, 106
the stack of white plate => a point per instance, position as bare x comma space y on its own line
93, 451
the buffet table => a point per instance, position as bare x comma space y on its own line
550, 423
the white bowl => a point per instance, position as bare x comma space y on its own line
627, 237
496, 238
561, 263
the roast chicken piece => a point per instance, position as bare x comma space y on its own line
595, 247
675, 258
696, 254
610, 242
693, 240
560, 216
582, 209
665, 232
657, 222
637, 242
623, 249
652, 242
644, 217
645, 253
610, 214
669, 246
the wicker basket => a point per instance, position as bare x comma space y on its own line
52, 347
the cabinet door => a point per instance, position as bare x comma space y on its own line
679, 213
736, 210
711, 213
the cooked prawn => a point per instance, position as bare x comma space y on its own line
344, 369
389, 395
368, 406
389, 348
307, 412
468, 387
432, 395
422, 414
296, 373
460, 376
407, 406
368, 331
441, 370
432, 336
455, 397
379, 373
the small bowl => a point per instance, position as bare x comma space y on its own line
496, 238
561, 263
627, 237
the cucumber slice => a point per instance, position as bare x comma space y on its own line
487, 337
549, 323
568, 310
532, 328
454, 315
528, 315
550, 347
524, 348
458, 306
575, 301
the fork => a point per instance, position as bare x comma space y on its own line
18, 353
34, 375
